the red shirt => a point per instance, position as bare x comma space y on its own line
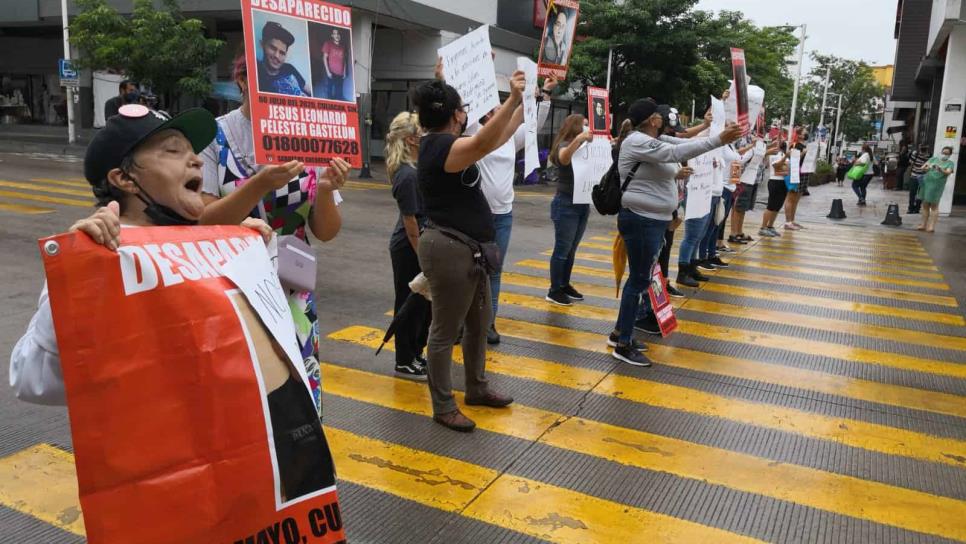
336, 53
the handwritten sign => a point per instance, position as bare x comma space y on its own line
794, 160
750, 174
700, 185
531, 155
811, 158
590, 163
718, 116
468, 67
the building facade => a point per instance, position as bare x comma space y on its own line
929, 86
394, 47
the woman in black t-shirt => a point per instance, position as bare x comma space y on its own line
456, 210
569, 219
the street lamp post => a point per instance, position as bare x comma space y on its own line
71, 129
798, 77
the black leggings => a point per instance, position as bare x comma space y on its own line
304, 461
412, 332
861, 186
776, 194
665, 258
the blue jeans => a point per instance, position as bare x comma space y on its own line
503, 222
333, 87
708, 248
642, 238
569, 223
694, 231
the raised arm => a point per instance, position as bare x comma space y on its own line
567, 153
466, 151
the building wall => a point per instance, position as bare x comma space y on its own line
482, 11
910, 49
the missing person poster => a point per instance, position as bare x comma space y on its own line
468, 67
661, 302
591, 161
558, 38
300, 82
598, 108
177, 355
741, 88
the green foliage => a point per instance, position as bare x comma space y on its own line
861, 98
666, 50
156, 46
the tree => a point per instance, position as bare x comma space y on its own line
158, 47
861, 96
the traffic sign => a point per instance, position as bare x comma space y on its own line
69, 76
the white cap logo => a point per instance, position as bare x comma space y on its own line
133, 111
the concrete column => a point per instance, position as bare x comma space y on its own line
953, 98
362, 50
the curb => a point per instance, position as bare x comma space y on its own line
65, 149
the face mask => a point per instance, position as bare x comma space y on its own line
586, 128
946, 156
131, 97
159, 214
466, 122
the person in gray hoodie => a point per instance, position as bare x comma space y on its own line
646, 209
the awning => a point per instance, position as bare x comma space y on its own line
896, 129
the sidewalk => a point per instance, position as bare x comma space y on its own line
43, 139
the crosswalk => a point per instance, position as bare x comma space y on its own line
815, 391
39, 196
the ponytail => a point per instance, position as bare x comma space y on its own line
404, 125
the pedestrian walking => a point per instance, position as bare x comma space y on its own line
938, 170
860, 183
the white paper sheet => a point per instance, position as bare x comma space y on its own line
468, 67
531, 155
591, 161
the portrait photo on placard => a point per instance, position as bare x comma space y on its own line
331, 55
599, 115
282, 54
559, 35
300, 455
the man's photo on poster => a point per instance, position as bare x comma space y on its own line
599, 115
331, 53
282, 54
559, 35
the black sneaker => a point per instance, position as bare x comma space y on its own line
421, 361
737, 240
630, 356
696, 274
684, 276
492, 337
411, 371
747, 239
559, 298
612, 341
718, 263
649, 325
706, 264
573, 293
674, 292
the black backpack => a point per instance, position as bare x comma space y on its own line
607, 194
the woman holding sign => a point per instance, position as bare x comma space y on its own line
646, 209
457, 251
293, 200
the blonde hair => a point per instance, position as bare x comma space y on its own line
405, 124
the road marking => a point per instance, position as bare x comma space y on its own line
739, 261
24, 208
41, 482
759, 339
520, 504
43, 188
762, 252
838, 268
68, 183
829, 491
854, 433
47, 199
364, 185
787, 282
822, 234
887, 251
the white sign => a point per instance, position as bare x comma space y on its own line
590, 162
700, 183
468, 67
531, 156
718, 116
794, 159
750, 175
811, 158
252, 271
756, 99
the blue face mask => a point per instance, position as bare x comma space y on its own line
132, 97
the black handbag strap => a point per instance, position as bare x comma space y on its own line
630, 176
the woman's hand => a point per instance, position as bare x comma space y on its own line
586, 136
684, 173
104, 226
259, 226
549, 85
518, 82
276, 176
731, 133
335, 175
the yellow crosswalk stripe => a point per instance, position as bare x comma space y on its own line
808, 486
367, 185
856, 262
765, 278
66, 183
40, 481
846, 245
860, 434
935, 285
24, 208
47, 199
820, 264
44, 188
760, 339
849, 242
821, 253
822, 233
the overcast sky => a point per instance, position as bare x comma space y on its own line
853, 29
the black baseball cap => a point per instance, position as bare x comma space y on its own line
671, 117
641, 110
134, 124
275, 31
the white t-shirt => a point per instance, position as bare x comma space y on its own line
777, 157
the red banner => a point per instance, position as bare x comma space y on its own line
741, 88
301, 81
187, 423
598, 110
661, 302
559, 33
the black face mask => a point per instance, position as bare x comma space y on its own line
160, 214
466, 122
